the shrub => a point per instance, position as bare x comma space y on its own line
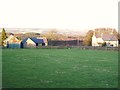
103, 44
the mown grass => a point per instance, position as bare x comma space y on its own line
0, 68
59, 68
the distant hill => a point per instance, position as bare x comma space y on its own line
42, 30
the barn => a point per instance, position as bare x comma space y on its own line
32, 42
12, 42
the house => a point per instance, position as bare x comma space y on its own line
33, 42
110, 40
12, 42
44, 39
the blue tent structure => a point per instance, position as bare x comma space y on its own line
36, 41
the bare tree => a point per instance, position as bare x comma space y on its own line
52, 34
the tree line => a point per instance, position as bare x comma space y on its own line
53, 34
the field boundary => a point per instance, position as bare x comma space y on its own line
80, 47
70, 47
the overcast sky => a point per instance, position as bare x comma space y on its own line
60, 14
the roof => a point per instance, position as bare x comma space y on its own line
107, 37
43, 38
98, 35
12, 38
34, 40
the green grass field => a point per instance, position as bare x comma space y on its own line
59, 68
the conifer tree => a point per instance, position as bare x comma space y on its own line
4, 36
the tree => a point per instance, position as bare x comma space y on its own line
4, 36
0, 39
88, 38
103, 44
106, 31
52, 34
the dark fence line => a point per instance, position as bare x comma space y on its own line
80, 47
65, 43
98, 48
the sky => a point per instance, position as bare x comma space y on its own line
59, 14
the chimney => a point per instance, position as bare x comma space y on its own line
94, 33
101, 35
11, 34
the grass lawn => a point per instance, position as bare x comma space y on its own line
0, 68
59, 68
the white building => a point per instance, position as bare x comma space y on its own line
99, 39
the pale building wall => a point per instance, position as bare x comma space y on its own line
94, 41
45, 40
114, 43
14, 40
7, 40
46, 44
11, 40
30, 42
100, 40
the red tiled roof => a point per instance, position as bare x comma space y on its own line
98, 36
107, 37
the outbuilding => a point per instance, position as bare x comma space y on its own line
32, 42
12, 42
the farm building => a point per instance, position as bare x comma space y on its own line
65, 43
12, 42
109, 39
33, 42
